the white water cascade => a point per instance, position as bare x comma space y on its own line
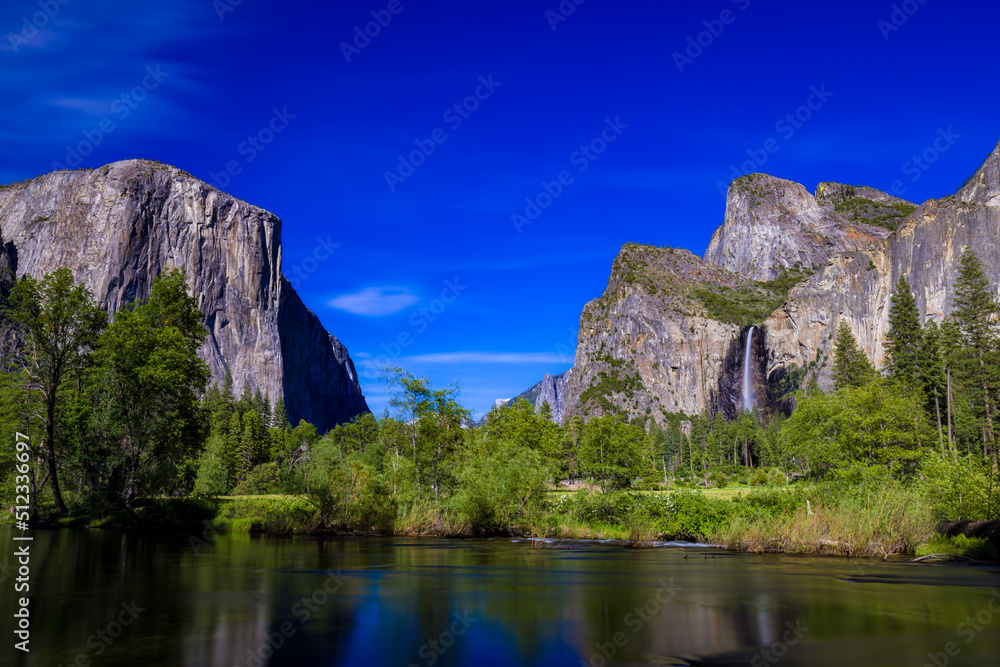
747, 385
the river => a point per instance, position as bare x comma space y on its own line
109, 598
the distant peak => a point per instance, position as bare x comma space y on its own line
984, 186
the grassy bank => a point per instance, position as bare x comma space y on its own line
868, 521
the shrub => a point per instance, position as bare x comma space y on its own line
262, 480
268, 515
641, 527
958, 489
690, 515
499, 486
213, 474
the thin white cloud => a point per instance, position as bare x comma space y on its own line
487, 358
92, 106
375, 301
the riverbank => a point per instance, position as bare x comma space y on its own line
880, 523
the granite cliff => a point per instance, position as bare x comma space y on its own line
773, 225
857, 286
656, 341
667, 334
119, 226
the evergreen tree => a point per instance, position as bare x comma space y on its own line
975, 313
234, 449
259, 405
266, 412
851, 367
933, 377
254, 448
245, 402
279, 419
961, 423
904, 339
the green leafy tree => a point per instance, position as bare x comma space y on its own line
811, 434
518, 423
611, 452
60, 324
882, 423
214, 478
501, 485
434, 424
147, 382
851, 367
904, 340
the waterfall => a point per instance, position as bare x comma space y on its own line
747, 388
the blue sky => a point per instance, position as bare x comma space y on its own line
591, 115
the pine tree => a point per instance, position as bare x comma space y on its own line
245, 403
933, 376
266, 412
904, 339
975, 313
851, 367
233, 450
279, 418
254, 448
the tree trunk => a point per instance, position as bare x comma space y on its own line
986, 397
937, 409
50, 446
950, 444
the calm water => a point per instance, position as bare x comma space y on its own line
432, 602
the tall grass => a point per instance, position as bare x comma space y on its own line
870, 521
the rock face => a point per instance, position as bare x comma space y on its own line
773, 225
119, 226
552, 389
669, 333
857, 286
655, 343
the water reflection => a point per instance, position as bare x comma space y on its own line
243, 600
